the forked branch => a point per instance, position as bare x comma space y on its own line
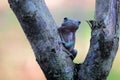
41, 31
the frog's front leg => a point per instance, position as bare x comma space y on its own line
69, 53
68, 45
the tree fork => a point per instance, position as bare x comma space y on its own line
41, 31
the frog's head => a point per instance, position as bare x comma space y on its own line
71, 24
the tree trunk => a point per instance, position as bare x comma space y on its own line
41, 31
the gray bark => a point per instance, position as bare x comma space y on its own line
118, 10
41, 31
103, 43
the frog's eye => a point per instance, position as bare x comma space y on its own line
65, 19
79, 22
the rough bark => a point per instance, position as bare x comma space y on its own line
103, 43
41, 31
118, 10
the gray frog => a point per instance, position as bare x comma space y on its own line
67, 33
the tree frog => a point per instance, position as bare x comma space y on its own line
67, 33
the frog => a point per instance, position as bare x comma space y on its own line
67, 32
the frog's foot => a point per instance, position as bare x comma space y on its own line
74, 52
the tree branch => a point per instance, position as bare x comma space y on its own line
103, 43
41, 31
118, 10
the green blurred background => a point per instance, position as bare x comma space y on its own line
17, 61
